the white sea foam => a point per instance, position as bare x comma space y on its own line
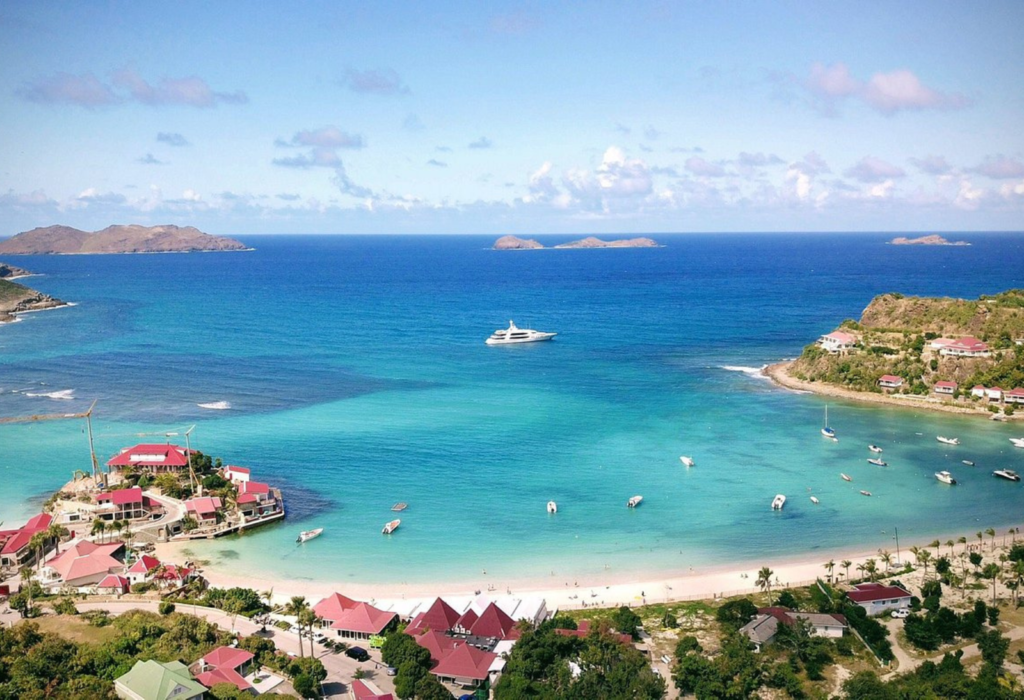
62, 395
755, 372
216, 405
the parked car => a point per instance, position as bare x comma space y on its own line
391, 670
902, 612
357, 653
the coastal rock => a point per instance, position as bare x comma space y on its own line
514, 243
64, 240
16, 298
592, 242
10, 271
933, 239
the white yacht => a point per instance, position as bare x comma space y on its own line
513, 334
814, 500
874, 448
948, 441
878, 462
688, 461
945, 477
1007, 474
778, 502
826, 429
307, 535
1017, 442
552, 507
390, 527
634, 501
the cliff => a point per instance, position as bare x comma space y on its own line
514, 243
64, 240
16, 298
925, 240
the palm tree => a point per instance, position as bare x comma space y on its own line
886, 556
829, 565
309, 618
56, 533
950, 544
1017, 576
37, 544
268, 596
991, 532
98, 527
991, 571
117, 526
981, 537
764, 581
923, 557
962, 540
936, 544
846, 564
296, 607
871, 567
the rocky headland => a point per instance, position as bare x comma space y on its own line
16, 298
933, 239
64, 240
10, 272
514, 243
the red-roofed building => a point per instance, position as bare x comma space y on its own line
203, 509
226, 665
837, 342
978, 391
14, 549
465, 623
437, 643
439, 617
466, 666
583, 629
84, 563
113, 584
171, 576
140, 570
948, 388
966, 347
1014, 396
890, 381
264, 499
363, 621
876, 598
366, 690
156, 459
494, 623
331, 608
123, 504
994, 394
236, 475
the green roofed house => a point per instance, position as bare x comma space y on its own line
153, 680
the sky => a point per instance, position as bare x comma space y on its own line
513, 118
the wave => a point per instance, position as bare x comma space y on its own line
755, 372
62, 395
216, 405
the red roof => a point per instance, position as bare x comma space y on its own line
437, 643
892, 378
20, 538
968, 343
245, 498
361, 691
468, 618
150, 456
869, 592
253, 487
584, 629
227, 657
439, 617
465, 661
946, 385
333, 606
172, 572
364, 618
38, 522
144, 564
840, 336
205, 505
495, 622
121, 496
236, 470
84, 559
1014, 392
223, 675
114, 581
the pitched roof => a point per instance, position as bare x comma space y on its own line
494, 622
468, 618
147, 455
890, 378
364, 618
114, 581
245, 498
237, 470
227, 657
253, 487
333, 606
19, 538
840, 337
465, 661
85, 558
364, 690
437, 643
144, 564
204, 505
439, 617
946, 384
38, 522
121, 496
152, 680
583, 629
869, 592
761, 629
223, 675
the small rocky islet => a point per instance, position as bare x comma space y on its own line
516, 243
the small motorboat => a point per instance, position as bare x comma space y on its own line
814, 500
778, 502
865, 493
390, 527
307, 535
634, 501
968, 462
688, 461
878, 462
1007, 474
845, 477
399, 507
1017, 442
945, 477
875, 448
948, 441
552, 507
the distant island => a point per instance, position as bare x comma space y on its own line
16, 298
933, 239
514, 243
957, 355
64, 240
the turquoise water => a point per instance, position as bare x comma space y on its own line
357, 376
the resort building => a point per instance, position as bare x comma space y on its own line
946, 388
876, 598
363, 621
965, 347
256, 499
227, 665
123, 504
331, 608
156, 459
203, 510
366, 690
139, 571
154, 680
15, 552
763, 628
83, 563
890, 381
439, 617
469, 667
837, 342
236, 475
1014, 396
994, 394
978, 391
583, 629
113, 584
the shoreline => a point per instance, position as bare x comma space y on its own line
779, 375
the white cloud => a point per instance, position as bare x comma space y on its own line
874, 170
969, 197
191, 196
191, 91
482, 142
887, 93
1000, 168
84, 90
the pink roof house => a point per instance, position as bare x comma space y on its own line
363, 621
494, 623
14, 549
1014, 396
439, 617
236, 475
123, 504
437, 643
158, 459
203, 509
139, 571
966, 347
113, 584
227, 665
83, 563
366, 690
465, 665
331, 608
945, 387
890, 381
837, 342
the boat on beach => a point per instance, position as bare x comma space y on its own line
390, 527
552, 507
845, 477
778, 502
634, 501
875, 448
878, 462
1008, 474
513, 334
307, 535
948, 441
826, 430
688, 461
945, 477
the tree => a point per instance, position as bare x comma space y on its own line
886, 556
975, 558
992, 533
295, 607
923, 558
992, 571
871, 567
764, 581
56, 533
936, 544
993, 647
305, 686
736, 613
65, 606
787, 600
846, 564
626, 621
37, 544
188, 524
829, 565
98, 527
950, 544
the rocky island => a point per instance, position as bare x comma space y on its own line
64, 240
16, 298
514, 243
10, 272
957, 355
933, 239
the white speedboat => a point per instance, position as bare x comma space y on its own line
634, 501
945, 477
552, 507
827, 431
390, 527
778, 502
865, 493
875, 448
1007, 474
688, 461
307, 535
968, 462
512, 334
948, 441
845, 477
1017, 442
814, 500
878, 462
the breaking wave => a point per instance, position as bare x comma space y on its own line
216, 405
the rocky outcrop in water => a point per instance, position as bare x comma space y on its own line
514, 243
16, 298
934, 239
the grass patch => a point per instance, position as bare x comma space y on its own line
75, 629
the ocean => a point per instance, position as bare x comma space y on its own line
351, 371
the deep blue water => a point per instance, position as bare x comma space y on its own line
357, 376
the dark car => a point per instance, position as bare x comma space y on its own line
357, 653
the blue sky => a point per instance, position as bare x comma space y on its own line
488, 117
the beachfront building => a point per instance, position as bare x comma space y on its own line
123, 504
155, 459
1014, 396
15, 551
766, 624
155, 680
172, 576
256, 499
468, 667
113, 584
82, 564
203, 510
439, 617
978, 391
890, 381
487, 628
331, 608
994, 394
876, 598
965, 347
945, 388
227, 665
366, 690
364, 621
837, 342
236, 475
139, 572
583, 629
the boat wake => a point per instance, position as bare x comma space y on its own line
62, 395
753, 372
216, 405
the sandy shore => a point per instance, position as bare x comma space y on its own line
779, 373
700, 584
